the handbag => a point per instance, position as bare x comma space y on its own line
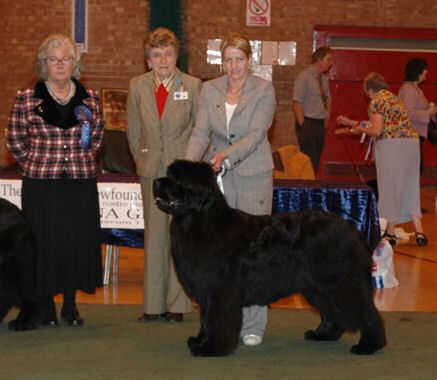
432, 132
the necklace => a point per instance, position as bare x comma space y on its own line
234, 93
62, 100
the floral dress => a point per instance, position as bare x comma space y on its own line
397, 159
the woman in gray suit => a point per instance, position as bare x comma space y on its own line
235, 112
161, 107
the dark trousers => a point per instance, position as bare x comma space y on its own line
311, 137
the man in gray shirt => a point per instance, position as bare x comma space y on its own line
312, 105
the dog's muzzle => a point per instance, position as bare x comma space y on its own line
168, 205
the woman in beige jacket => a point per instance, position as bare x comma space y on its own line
162, 105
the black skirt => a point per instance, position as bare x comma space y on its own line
65, 223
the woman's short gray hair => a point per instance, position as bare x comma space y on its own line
44, 52
374, 81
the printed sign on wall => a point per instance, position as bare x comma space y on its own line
258, 12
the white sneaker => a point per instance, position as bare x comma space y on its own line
252, 340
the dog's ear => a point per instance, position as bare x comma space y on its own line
206, 198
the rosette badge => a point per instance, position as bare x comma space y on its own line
83, 115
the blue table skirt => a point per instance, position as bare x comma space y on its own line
351, 200
123, 238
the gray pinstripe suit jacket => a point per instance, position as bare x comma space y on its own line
248, 148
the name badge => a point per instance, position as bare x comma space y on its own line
181, 95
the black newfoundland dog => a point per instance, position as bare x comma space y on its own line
227, 259
17, 255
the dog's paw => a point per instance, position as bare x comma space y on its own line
193, 341
202, 350
311, 335
206, 349
364, 349
19, 325
323, 336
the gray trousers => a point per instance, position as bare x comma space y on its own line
254, 195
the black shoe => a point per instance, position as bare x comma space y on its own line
174, 317
150, 317
71, 317
423, 210
391, 238
50, 322
421, 239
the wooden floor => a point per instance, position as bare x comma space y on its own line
415, 267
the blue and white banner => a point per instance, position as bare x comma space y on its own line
121, 204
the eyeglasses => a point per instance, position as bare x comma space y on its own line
53, 61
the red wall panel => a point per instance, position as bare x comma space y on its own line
346, 79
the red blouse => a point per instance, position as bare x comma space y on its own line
161, 98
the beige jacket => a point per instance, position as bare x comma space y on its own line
153, 141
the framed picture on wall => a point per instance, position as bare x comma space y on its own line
116, 156
114, 108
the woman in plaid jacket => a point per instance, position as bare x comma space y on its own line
54, 131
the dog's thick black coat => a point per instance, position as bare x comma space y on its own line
227, 259
17, 255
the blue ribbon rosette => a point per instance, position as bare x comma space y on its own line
83, 114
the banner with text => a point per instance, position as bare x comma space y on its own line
121, 204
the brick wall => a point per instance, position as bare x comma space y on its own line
117, 29
293, 20
115, 45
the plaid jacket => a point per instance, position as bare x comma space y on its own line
47, 148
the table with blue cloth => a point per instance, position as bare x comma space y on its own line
353, 201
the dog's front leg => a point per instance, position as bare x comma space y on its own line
194, 341
221, 324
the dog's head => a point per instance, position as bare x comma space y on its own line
188, 186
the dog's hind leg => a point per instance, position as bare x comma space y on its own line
372, 333
351, 308
355, 300
327, 330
